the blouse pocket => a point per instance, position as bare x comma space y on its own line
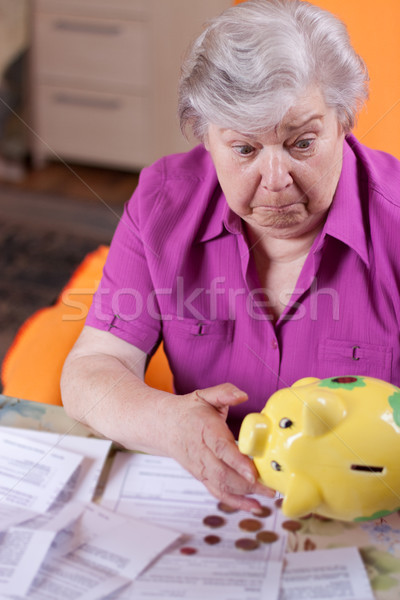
198, 352
343, 357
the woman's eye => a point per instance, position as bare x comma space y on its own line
303, 144
244, 150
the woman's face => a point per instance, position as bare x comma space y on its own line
282, 182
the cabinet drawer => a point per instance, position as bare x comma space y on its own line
99, 8
91, 52
93, 127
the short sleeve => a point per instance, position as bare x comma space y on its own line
121, 302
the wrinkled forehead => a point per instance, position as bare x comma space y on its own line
307, 110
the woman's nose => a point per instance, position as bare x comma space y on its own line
275, 171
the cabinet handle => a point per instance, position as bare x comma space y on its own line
86, 102
87, 27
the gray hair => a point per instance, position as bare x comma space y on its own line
252, 62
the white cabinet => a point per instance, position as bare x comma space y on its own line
103, 77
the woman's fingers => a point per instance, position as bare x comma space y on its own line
222, 396
228, 485
213, 457
201, 441
222, 443
225, 449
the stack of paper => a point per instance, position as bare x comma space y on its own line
54, 541
157, 533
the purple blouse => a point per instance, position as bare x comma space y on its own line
180, 270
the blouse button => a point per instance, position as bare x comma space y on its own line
274, 344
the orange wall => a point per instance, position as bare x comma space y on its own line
374, 29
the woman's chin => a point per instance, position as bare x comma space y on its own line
278, 220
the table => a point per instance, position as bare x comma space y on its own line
378, 541
35, 415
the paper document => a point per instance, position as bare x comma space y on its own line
93, 452
337, 574
46, 472
207, 579
32, 474
23, 548
101, 553
220, 556
55, 542
38, 471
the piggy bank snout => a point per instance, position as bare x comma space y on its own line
253, 436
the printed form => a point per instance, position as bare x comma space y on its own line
32, 475
24, 547
63, 545
99, 554
335, 574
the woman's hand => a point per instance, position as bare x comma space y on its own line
200, 440
103, 388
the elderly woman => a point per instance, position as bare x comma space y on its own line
267, 253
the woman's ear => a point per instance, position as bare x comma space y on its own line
206, 141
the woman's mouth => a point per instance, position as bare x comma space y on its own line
276, 207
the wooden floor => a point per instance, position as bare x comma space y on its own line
86, 201
88, 184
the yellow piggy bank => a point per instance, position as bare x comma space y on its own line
330, 446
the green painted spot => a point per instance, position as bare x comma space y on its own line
380, 514
345, 382
383, 582
394, 401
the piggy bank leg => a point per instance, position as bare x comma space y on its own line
302, 496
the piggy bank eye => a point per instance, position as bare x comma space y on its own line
285, 423
276, 466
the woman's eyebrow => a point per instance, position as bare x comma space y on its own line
293, 127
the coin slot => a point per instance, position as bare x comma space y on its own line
366, 468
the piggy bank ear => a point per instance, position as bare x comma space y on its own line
302, 496
253, 434
321, 413
305, 381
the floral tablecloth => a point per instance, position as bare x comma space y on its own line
378, 542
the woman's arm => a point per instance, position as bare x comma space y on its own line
102, 386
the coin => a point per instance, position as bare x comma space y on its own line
212, 539
250, 524
264, 511
226, 508
267, 537
291, 525
214, 521
188, 550
246, 544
